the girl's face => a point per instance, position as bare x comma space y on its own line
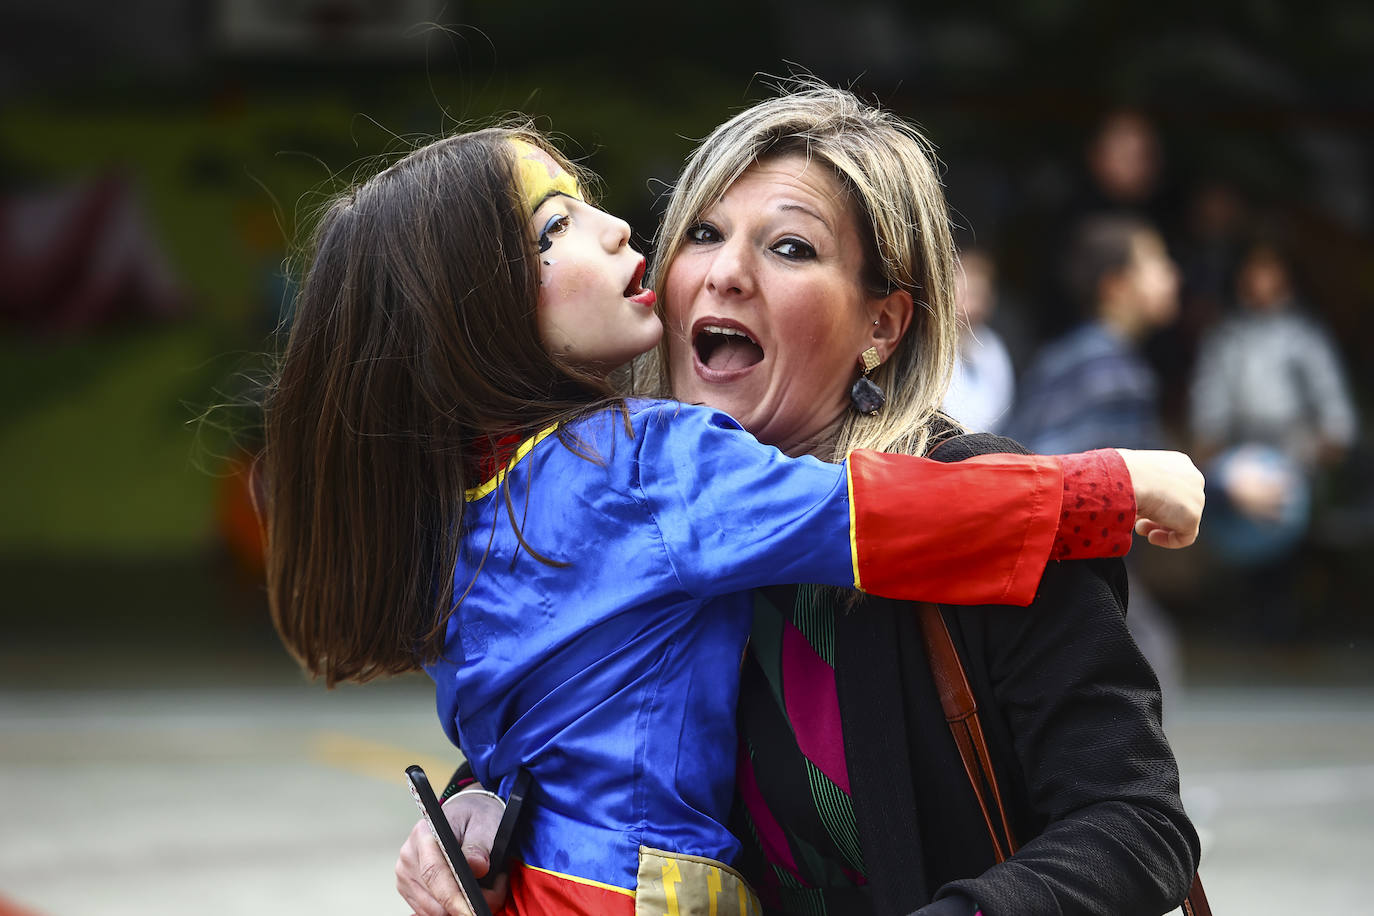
593, 313
766, 312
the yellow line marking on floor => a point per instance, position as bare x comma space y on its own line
377, 760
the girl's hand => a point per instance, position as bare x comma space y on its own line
1168, 496
423, 878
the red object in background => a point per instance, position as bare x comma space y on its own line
11, 909
239, 527
76, 257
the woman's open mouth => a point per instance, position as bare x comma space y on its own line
722, 348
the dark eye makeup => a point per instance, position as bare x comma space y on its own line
555, 226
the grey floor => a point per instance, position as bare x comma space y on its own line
233, 787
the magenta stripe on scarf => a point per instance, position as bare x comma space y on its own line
771, 835
813, 708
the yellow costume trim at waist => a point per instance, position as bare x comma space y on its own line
578, 879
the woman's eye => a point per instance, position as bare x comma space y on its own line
794, 249
557, 225
702, 233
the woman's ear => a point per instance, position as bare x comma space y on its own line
889, 317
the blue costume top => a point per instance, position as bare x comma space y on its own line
613, 679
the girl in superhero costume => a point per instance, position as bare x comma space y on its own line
451, 481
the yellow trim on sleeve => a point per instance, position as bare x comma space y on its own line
578, 879
853, 527
523, 449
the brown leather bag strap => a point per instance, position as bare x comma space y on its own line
1196, 904
961, 712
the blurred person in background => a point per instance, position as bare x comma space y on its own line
1125, 163
1093, 386
1270, 406
984, 383
1208, 246
1122, 174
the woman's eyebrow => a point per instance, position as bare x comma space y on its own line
802, 208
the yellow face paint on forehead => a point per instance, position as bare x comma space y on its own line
540, 176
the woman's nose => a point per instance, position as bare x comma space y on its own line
729, 274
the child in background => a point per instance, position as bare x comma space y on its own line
1093, 387
1270, 375
1271, 409
984, 384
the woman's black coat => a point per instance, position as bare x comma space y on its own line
1071, 711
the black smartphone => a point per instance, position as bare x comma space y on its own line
429, 806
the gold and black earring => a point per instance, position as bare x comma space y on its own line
865, 395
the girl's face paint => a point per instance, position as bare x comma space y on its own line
592, 313
540, 176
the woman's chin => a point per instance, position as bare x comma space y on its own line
725, 397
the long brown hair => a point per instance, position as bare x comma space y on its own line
414, 343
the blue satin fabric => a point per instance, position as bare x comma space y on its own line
614, 680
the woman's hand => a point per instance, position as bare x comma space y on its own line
1168, 496
423, 877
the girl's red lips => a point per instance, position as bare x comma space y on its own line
633, 288
635, 292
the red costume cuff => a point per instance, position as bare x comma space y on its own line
1098, 512
967, 532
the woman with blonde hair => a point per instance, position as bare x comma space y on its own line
804, 232
882, 167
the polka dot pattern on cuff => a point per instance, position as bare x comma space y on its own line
1098, 512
